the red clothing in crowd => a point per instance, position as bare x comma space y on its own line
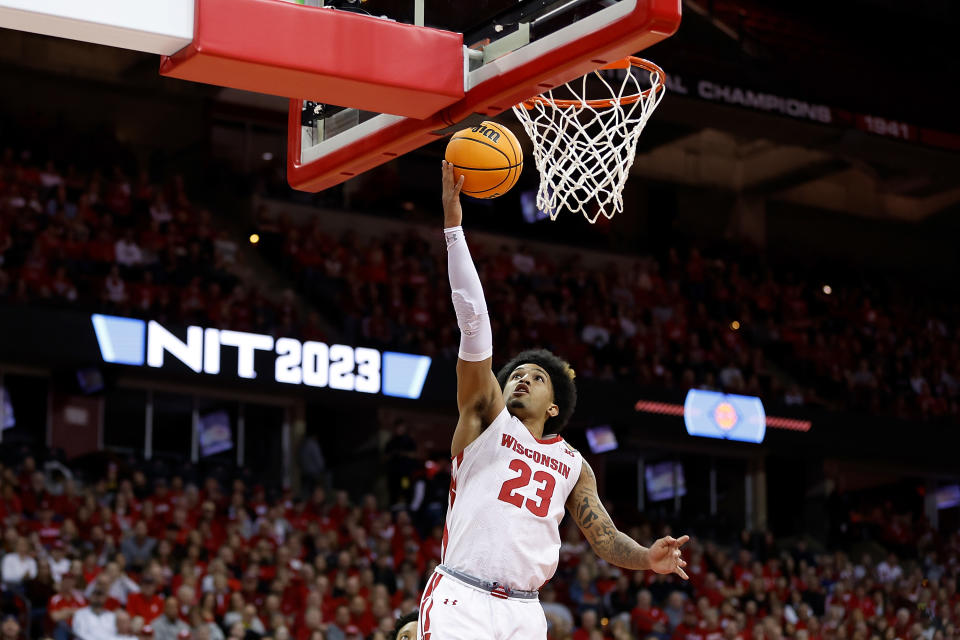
90, 573
710, 633
33, 502
66, 506
683, 632
147, 608
431, 549
49, 532
10, 506
73, 601
366, 622
645, 619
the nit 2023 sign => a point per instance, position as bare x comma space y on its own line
134, 342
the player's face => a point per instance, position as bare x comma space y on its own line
408, 631
529, 392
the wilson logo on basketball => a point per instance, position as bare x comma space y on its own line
488, 157
489, 133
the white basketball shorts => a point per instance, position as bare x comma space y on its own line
453, 610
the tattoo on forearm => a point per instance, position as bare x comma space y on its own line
610, 544
587, 515
627, 553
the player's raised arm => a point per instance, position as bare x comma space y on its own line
614, 546
479, 397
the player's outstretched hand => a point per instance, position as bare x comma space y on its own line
665, 556
452, 213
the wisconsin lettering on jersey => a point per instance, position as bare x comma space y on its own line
510, 442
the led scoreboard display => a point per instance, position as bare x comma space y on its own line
710, 414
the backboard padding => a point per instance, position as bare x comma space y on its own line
616, 31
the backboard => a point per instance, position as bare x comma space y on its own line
511, 50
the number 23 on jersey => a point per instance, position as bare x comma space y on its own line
508, 492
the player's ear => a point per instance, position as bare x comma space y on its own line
553, 411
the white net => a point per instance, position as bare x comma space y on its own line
584, 148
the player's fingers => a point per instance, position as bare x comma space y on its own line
683, 574
683, 540
669, 540
682, 564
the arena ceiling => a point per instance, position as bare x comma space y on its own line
801, 163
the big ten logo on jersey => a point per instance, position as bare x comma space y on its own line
491, 134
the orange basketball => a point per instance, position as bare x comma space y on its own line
490, 157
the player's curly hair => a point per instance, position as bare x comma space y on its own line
402, 621
561, 377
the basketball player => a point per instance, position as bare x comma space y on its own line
510, 483
406, 627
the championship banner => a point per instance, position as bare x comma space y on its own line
798, 108
215, 433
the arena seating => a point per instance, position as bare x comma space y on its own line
125, 246
664, 321
234, 562
120, 245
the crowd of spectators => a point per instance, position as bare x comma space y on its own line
123, 557
126, 558
759, 590
101, 240
676, 321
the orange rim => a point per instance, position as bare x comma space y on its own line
630, 61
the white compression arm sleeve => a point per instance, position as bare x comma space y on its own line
476, 336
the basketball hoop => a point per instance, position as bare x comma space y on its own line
584, 148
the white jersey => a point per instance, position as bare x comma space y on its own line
507, 495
